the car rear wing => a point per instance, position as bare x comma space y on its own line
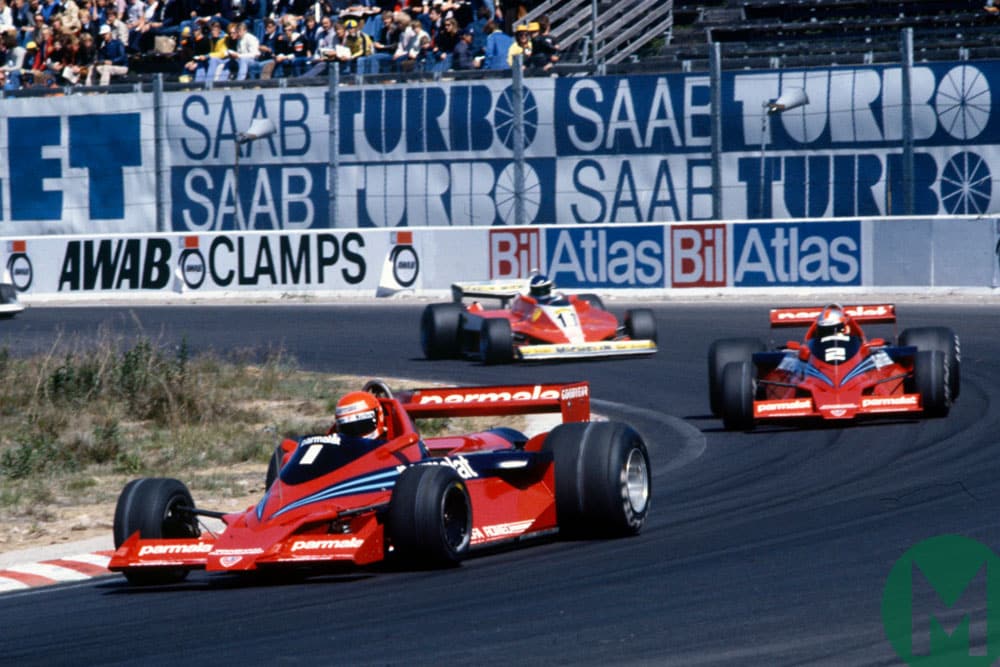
883, 313
503, 290
572, 400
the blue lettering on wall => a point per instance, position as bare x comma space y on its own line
212, 128
612, 115
619, 256
436, 120
803, 254
617, 191
271, 197
293, 121
104, 144
456, 192
28, 199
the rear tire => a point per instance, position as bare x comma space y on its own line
496, 341
720, 353
929, 371
602, 479
640, 324
737, 395
946, 341
150, 505
439, 333
430, 517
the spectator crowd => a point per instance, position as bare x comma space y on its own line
58, 43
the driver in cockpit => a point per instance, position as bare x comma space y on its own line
834, 339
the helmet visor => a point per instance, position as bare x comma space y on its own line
360, 425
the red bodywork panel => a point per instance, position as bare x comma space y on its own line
535, 322
339, 515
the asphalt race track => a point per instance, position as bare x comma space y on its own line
763, 548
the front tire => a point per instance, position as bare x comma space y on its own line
603, 483
946, 341
640, 324
721, 353
929, 370
153, 506
738, 384
430, 517
439, 333
496, 341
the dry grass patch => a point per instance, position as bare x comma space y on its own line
77, 425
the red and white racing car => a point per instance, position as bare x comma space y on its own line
835, 372
532, 323
426, 501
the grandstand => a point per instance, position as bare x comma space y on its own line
678, 35
622, 29
769, 34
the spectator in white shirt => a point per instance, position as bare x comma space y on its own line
248, 50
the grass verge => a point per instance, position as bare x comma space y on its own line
76, 424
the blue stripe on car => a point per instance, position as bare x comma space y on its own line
812, 371
371, 482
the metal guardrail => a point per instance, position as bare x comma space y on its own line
615, 30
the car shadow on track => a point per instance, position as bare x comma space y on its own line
800, 425
119, 586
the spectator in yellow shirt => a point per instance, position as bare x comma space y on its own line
521, 46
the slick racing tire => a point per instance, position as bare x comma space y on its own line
720, 353
594, 300
946, 341
430, 517
640, 324
496, 341
603, 484
151, 505
738, 388
439, 326
929, 369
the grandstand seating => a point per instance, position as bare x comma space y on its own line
623, 27
756, 34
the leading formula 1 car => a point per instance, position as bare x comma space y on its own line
836, 372
531, 326
428, 502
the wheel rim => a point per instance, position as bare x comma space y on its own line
635, 476
455, 518
178, 523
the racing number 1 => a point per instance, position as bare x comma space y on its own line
565, 314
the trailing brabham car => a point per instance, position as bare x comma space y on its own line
533, 322
373, 488
836, 372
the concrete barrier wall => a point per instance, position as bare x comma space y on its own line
657, 260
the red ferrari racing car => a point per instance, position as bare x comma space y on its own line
835, 372
537, 325
336, 498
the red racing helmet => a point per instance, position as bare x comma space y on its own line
359, 415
